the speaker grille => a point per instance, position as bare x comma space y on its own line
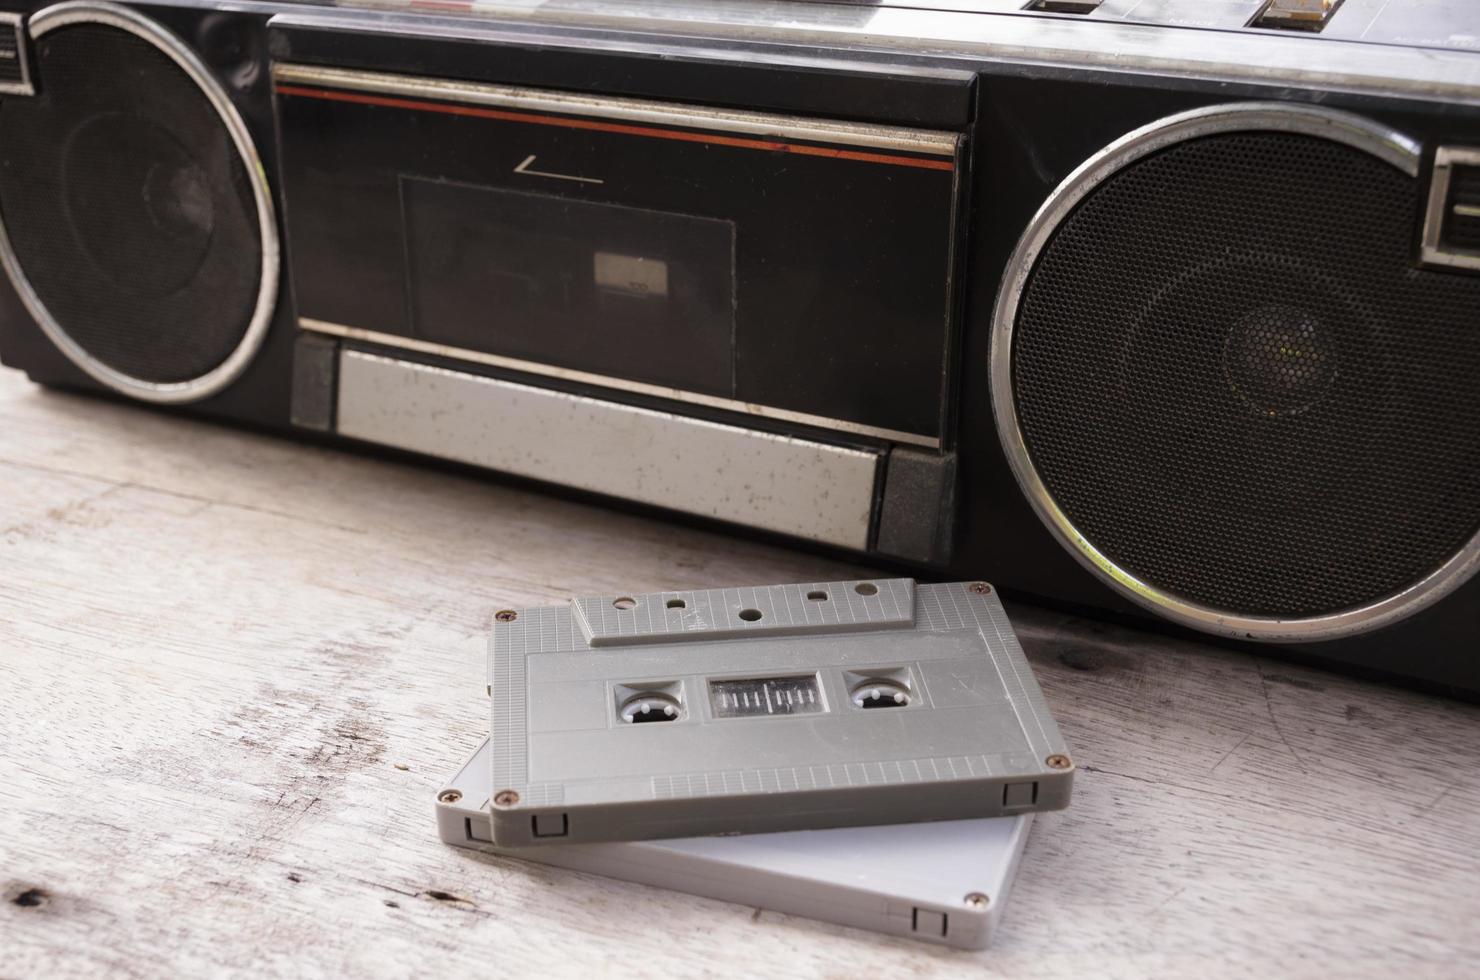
1231, 379
128, 208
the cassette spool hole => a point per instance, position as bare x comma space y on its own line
881, 687
750, 615
625, 602
647, 708
651, 701
881, 694
866, 588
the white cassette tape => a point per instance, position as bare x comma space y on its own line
944, 883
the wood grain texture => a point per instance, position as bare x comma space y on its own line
235, 669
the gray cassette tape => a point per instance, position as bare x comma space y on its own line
680, 714
946, 884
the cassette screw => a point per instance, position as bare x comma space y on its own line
449, 796
1058, 761
505, 797
977, 900
980, 588
505, 616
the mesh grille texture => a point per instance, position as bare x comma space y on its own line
128, 206
1233, 380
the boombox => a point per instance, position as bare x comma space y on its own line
1165, 309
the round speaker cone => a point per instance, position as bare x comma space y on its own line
1278, 360
1234, 388
134, 223
156, 193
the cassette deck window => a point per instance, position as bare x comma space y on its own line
630, 291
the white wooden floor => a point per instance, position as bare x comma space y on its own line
234, 670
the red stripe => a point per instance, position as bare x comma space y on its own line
479, 112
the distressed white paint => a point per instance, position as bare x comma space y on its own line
234, 670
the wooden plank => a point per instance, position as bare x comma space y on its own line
234, 670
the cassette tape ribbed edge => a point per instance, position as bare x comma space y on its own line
748, 710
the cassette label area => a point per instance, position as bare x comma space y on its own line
789, 707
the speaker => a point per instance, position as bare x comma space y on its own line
135, 220
1225, 386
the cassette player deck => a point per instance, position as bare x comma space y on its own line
749, 710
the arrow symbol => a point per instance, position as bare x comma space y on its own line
523, 168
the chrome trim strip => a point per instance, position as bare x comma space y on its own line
85, 12
1388, 145
617, 384
946, 36
628, 110
25, 85
758, 479
1432, 248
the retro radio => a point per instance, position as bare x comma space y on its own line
1164, 307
